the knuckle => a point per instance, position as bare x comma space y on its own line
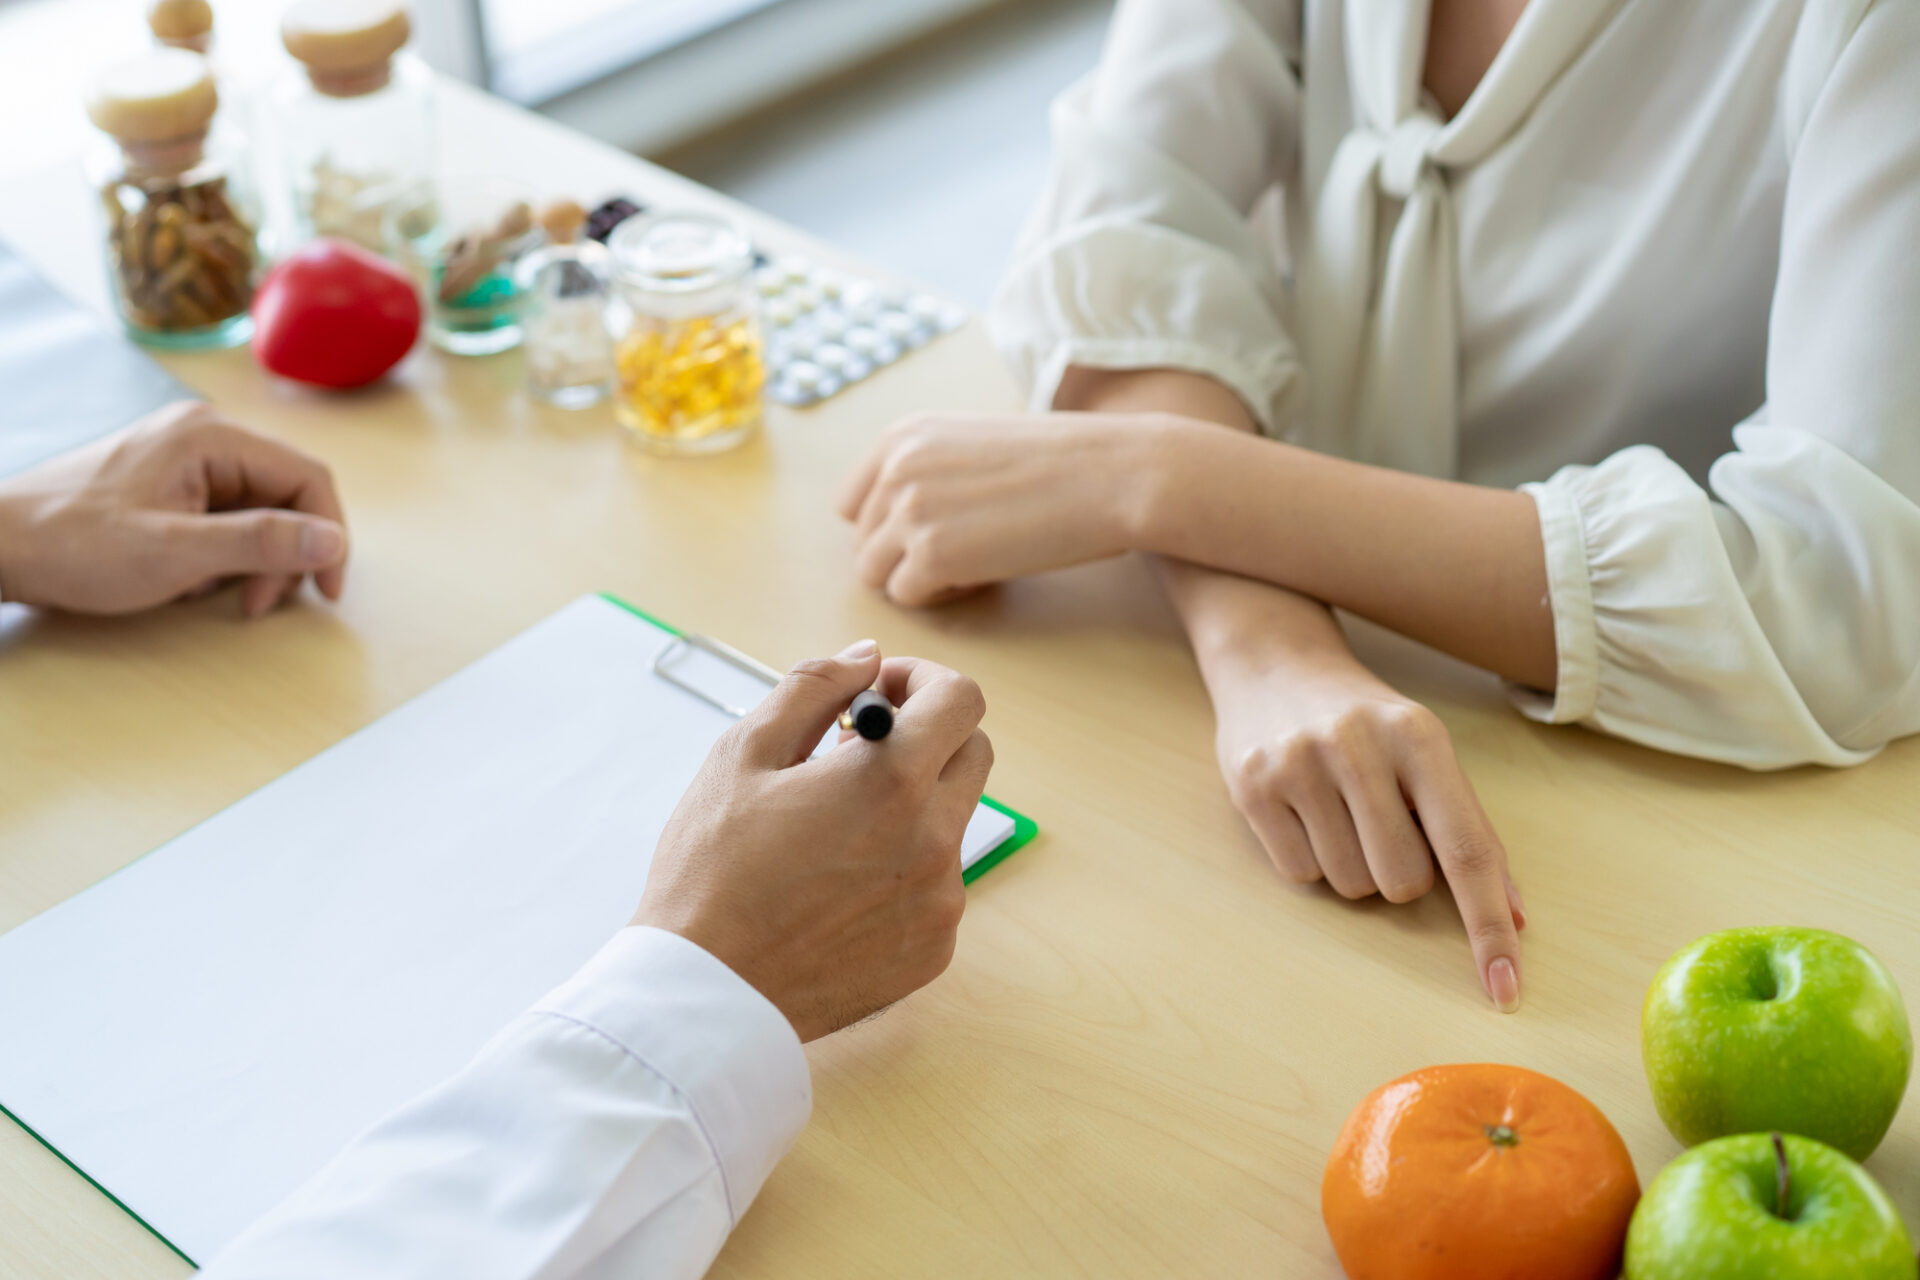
927, 552
181, 415
1251, 770
1489, 933
1353, 888
912, 426
809, 670
263, 533
1409, 885
1300, 759
967, 697
1298, 869
982, 744
1474, 855
727, 747
874, 572
1347, 735
1416, 724
912, 501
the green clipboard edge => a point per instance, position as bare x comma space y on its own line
1024, 828
117, 1202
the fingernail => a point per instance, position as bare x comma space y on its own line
321, 544
1503, 984
859, 650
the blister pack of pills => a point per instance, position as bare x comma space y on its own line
826, 329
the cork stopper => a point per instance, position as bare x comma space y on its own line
562, 221
158, 106
347, 45
181, 24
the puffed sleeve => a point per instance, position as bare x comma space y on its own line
1774, 619
1141, 253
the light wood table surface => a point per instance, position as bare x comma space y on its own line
1147, 1042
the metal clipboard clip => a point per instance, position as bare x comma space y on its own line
681, 645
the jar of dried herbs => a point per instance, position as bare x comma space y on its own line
351, 120
176, 204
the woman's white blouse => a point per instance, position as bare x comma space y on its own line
1662, 271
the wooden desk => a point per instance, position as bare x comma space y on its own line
1147, 1042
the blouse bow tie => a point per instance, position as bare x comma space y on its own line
1380, 328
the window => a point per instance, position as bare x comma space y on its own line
540, 49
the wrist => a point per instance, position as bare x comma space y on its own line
1158, 484
1240, 628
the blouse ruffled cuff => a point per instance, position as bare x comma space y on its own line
1657, 641
1570, 593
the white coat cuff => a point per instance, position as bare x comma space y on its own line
692, 1021
1570, 595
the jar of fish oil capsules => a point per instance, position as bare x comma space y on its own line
687, 356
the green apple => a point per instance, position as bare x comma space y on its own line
1744, 1208
1798, 1030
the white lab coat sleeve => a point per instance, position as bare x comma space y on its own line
1775, 621
619, 1128
1140, 253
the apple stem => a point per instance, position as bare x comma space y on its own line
1783, 1176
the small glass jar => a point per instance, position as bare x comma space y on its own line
176, 206
688, 356
352, 124
182, 24
463, 239
565, 290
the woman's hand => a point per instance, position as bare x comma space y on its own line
946, 503
1344, 779
175, 504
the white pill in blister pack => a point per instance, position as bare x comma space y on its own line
832, 325
826, 329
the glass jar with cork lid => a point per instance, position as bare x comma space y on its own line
182, 24
353, 124
687, 359
179, 215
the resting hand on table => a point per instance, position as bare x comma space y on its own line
949, 502
830, 885
178, 502
1344, 779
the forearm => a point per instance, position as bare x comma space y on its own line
1456, 566
1240, 627
1231, 621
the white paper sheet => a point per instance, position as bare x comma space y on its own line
201, 1031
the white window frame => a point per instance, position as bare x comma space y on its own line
648, 81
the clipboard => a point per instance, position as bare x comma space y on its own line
70, 377
201, 1031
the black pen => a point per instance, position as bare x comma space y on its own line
870, 716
